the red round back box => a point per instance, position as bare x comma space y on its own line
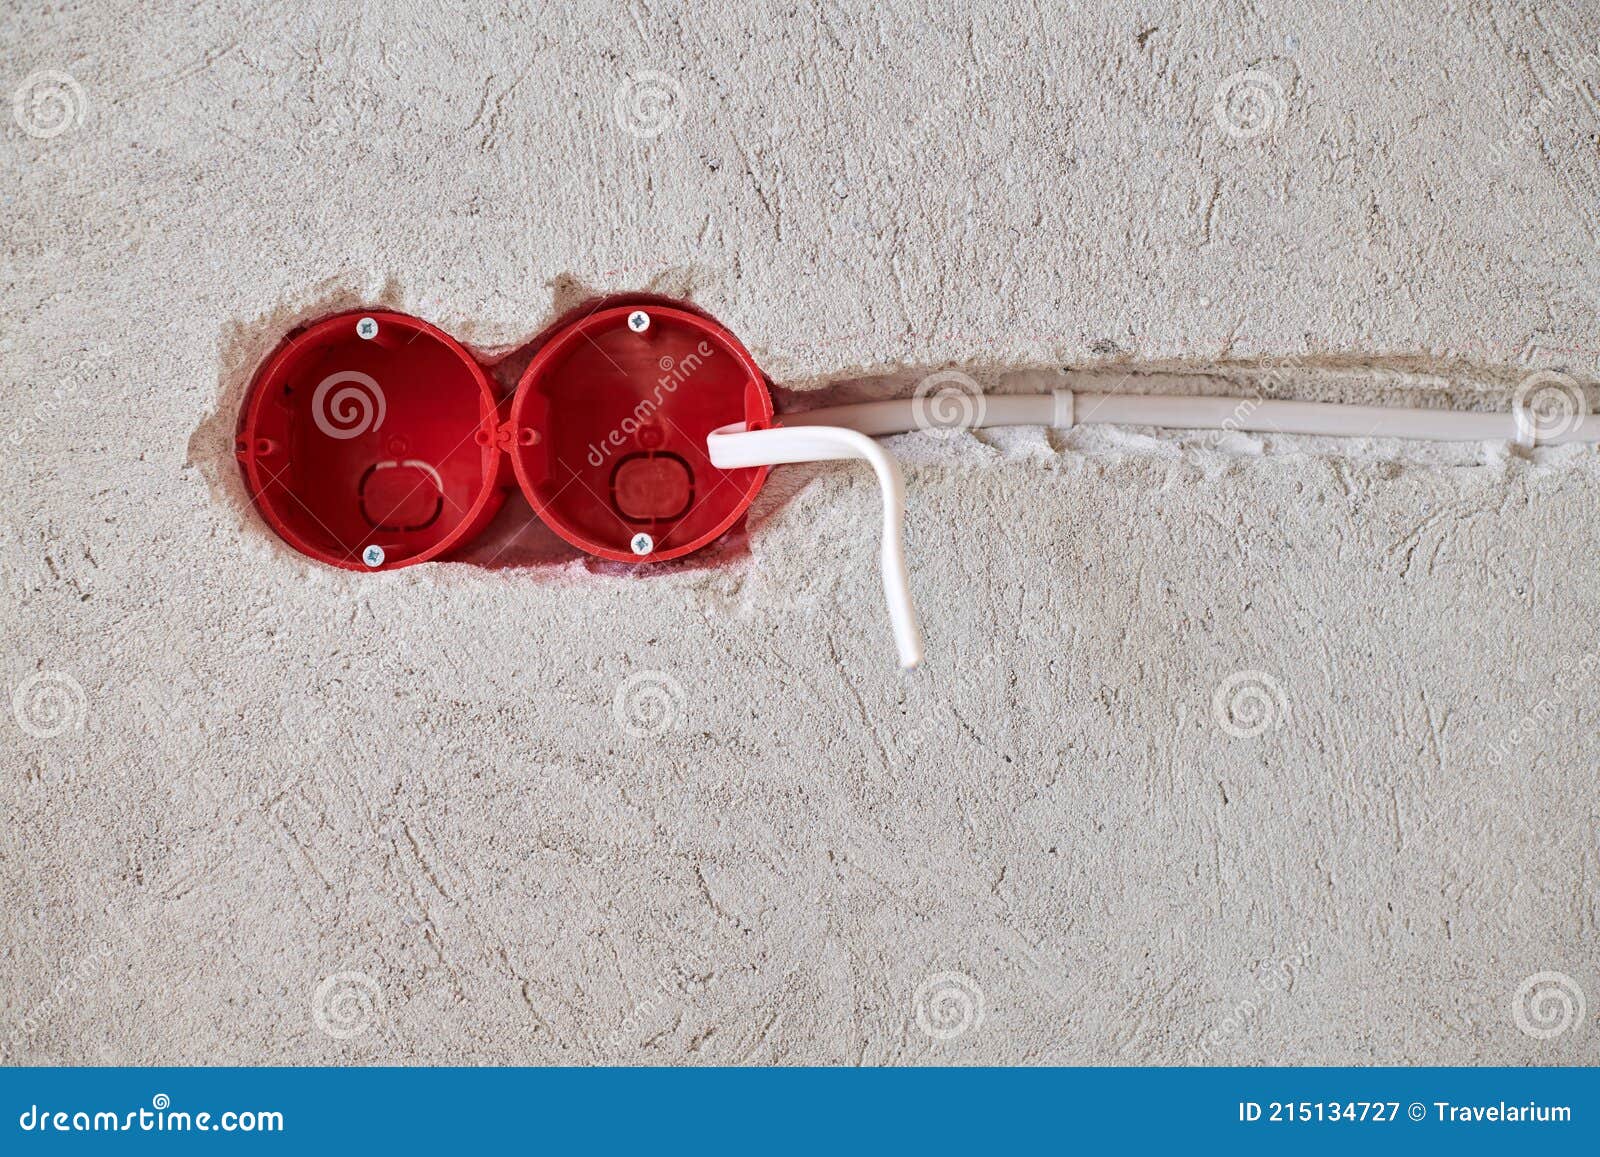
374, 440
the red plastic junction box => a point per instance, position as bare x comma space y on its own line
373, 440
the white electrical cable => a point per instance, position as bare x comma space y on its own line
836, 432
733, 447
1064, 409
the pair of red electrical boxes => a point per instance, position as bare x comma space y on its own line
372, 440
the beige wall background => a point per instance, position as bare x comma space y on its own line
255, 810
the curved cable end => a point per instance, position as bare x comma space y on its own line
733, 447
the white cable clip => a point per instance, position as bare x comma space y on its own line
733, 447
1527, 435
1063, 409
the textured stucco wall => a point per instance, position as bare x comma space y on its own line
299, 816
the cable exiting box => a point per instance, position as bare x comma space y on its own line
641, 431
